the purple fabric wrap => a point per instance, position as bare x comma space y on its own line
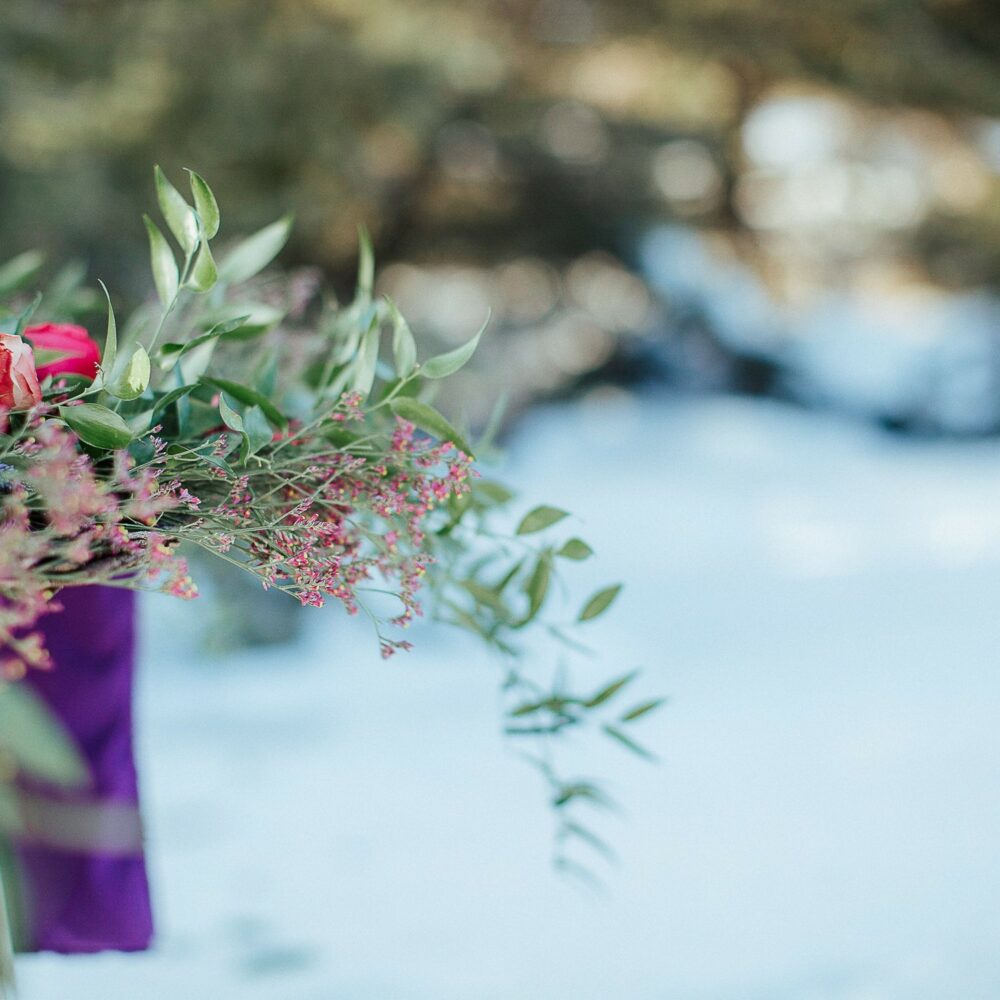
83, 882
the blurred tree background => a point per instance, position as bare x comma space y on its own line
516, 153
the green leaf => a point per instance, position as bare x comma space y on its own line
493, 491
97, 425
64, 295
537, 587
404, 348
230, 417
447, 364
255, 252
195, 363
643, 708
26, 313
134, 378
428, 419
367, 360
172, 351
576, 549
259, 431
162, 262
30, 732
19, 270
139, 423
250, 397
179, 216
171, 397
256, 317
610, 690
485, 595
599, 603
205, 204
531, 707
366, 264
204, 273
504, 582
47, 357
265, 374
571, 829
582, 790
628, 742
110, 338
539, 519
493, 425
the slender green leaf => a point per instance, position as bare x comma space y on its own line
566, 794
255, 252
599, 603
404, 348
495, 422
46, 357
205, 204
19, 270
65, 295
537, 587
505, 580
589, 837
255, 317
643, 708
110, 338
447, 364
265, 374
539, 519
97, 425
171, 397
530, 708
162, 262
179, 215
610, 690
171, 352
366, 265
26, 313
428, 419
367, 360
628, 742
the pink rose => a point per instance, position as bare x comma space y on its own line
19, 389
80, 354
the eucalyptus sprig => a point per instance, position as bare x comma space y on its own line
313, 456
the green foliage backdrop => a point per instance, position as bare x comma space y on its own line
472, 129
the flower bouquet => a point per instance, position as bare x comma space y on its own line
298, 444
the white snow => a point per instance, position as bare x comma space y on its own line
820, 603
909, 352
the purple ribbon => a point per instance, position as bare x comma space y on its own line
79, 861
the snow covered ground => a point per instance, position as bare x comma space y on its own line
820, 601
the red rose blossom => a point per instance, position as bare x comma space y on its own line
81, 354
